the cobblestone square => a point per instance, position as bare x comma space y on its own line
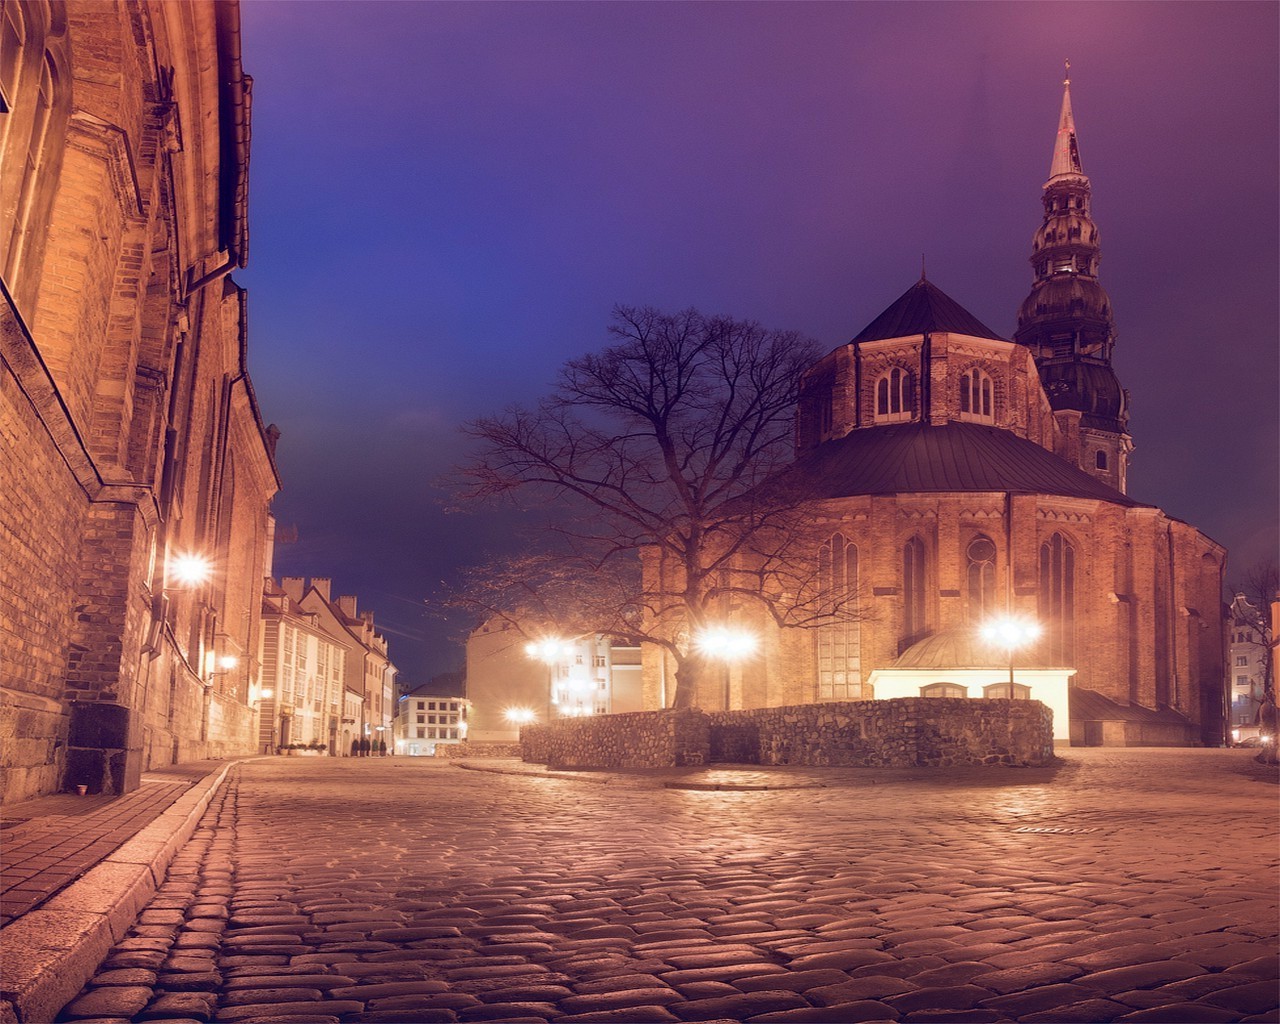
1135, 885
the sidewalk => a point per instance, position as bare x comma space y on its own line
76, 870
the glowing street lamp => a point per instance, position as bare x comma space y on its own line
189, 571
550, 651
725, 643
520, 716
1011, 634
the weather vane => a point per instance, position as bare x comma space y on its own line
1067, 80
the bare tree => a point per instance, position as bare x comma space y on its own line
653, 457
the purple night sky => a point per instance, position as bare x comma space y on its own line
447, 199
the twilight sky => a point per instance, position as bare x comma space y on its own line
447, 199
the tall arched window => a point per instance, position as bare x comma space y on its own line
895, 395
980, 577
42, 107
914, 606
1058, 598
976, 396
839, 641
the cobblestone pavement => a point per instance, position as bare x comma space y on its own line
1132, 885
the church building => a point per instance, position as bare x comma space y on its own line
955, 475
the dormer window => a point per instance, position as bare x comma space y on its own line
976, 402
895, 396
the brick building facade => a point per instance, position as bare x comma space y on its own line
129, 431
951, 475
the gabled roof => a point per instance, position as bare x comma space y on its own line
915, 457
925, 309
1091, 706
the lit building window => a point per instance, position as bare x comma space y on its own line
839, 642
914, 608
895, 396
943, 690
1000, 691
1058, 598
981, 577
976, 401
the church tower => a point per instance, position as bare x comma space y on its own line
1066, 320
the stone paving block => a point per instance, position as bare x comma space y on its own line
246, 996
862, 1012
1013, 979
793, 981
1088, 1012
189, 981
303, 1010
947, 997
859, 989
111, 1001
187, 1005
1255, 997
738, 1008
245, 979
125, 976
394, 988
841, 960
1144, 975
1259, 967
422, 1016
1044, 997
973, 1016
656, 995
1181, 1013
958, 973
723, 972
443, 1001
908, 968
633, 1015
507, 1012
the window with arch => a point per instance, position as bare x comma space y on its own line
1000, 691
839, 641
977, 396
1058, 598
895, 396
943, 690
980, 577
914, 605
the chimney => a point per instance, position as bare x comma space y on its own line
321, 584
293, 586
347, 602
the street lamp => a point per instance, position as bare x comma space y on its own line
188, 571
1010, 633
550, 651
725, 643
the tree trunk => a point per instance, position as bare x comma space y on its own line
689, 674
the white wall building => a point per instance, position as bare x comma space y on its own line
1247, 665
425, 722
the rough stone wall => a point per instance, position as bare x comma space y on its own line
912, 732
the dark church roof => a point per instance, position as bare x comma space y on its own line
915, 457
963, 648
925, 309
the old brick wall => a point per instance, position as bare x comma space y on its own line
911, 732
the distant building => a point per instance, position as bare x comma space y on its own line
427, 721
132, 437
509, 687
949, 475
369, 670
1248, 668
303, 693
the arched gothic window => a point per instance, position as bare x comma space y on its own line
977, 400
839, 641
980, 578
914, 607
895, 396
1058, 598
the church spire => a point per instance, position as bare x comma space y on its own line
1066, 150
1066, 320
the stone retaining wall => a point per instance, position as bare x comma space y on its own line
910, 732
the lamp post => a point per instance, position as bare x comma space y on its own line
549, 651
1010, 633
728, 644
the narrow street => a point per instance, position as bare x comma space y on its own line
1121, 885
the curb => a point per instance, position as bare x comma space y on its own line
563, 776
48, 955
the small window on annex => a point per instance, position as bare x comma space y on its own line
1100, 459
1000, 691
943, 690
976, 396
895, 396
